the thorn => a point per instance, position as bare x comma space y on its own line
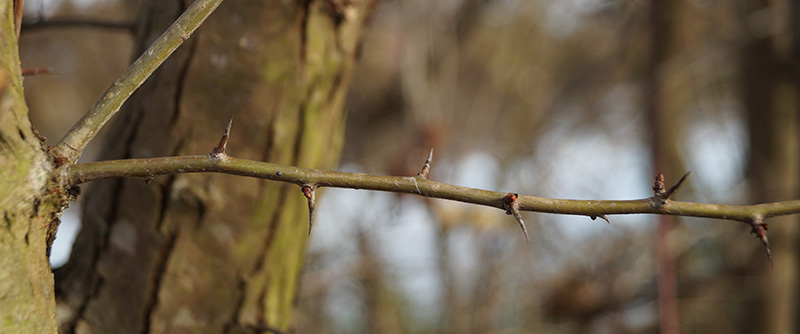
760, 230
676, 185
661, 194
601, 216
223, 142
308, 192
512, 208
426, 168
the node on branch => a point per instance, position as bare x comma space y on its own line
308, 192
660, 192
760, 228
219, 150
512, 208
426, 168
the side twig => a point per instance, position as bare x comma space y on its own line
72, 145
28, 72
41, 23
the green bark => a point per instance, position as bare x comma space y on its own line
27, 304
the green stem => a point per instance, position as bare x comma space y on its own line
76, 139
149, 168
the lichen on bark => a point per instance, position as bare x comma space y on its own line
27, 209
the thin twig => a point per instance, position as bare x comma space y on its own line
72, 145
76, 23
144, 168
27, 72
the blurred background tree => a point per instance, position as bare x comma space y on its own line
572, 99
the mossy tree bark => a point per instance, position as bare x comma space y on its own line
29, 202
215, 253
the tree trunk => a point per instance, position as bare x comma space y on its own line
665, 114
27, 207
215, 253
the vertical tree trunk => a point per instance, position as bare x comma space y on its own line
773, 171
665, 115
215, 253
27, 207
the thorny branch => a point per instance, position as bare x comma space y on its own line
310, 179
72, 145
148, 167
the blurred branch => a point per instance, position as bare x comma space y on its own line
76, 23
221, 163
70, 147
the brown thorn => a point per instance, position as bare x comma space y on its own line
512, 208
426, 168
760, 230
223, 142
308, 192
676, 185
601, 216
661, 194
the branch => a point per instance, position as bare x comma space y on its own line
71, 146
150, 167
310, 179
76, 23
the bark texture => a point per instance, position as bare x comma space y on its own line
215, 253
27, 208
